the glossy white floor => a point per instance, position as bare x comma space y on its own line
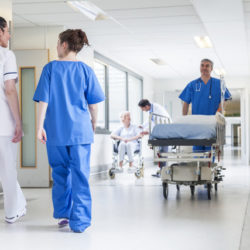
131, 214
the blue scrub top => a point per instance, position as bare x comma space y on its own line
198, 93
68, 87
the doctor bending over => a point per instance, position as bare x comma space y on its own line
155, 108
10, 129
127, 134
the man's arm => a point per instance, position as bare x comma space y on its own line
185, 108
12, 98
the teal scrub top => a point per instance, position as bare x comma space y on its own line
68, 87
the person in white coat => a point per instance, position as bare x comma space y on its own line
157, 109
10, 130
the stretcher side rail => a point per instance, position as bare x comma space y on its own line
158, 119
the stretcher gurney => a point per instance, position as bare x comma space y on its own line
189, 168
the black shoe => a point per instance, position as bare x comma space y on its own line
157, 175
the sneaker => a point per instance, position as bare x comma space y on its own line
15, 218
63, 222
118, 169
131, 169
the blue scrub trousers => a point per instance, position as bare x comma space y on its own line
71, 193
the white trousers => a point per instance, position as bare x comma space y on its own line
128, 148
14, 200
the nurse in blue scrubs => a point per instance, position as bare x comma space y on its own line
205, 95
68, 92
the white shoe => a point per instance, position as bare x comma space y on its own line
132, 169
118, 169
63, 222
15, 218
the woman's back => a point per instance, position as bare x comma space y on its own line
68, 87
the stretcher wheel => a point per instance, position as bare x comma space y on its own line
192, 188
209, 187
216, 187
178, 187
111, 174
165, 190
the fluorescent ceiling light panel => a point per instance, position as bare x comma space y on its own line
203, 42
88, 9
158, 61
220, 71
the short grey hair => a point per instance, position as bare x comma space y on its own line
122, 114
208, 60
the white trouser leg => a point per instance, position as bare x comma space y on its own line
122, 150
130, 151
14, 200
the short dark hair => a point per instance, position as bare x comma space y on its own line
208, 60
75, 39
3, 23
143, 103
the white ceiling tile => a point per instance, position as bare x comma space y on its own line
42, 8
132, 4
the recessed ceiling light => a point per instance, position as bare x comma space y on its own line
158, 61
203, 42
89, 10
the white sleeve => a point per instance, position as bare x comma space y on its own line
137, 130
10, 67
160, 110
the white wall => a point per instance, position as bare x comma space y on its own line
46, 38
37, 38
6, 10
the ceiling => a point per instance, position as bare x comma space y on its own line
156, 29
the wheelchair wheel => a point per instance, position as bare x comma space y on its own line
165, 190
111, 174
139, 173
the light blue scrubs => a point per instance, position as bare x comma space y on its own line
205, 98
69, 87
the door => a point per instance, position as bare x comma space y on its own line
33, 167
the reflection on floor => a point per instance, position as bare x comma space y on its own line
132, 214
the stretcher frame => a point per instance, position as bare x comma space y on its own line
176, 158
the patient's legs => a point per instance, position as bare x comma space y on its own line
121, 152
130, 152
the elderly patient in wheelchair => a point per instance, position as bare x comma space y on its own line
126, 142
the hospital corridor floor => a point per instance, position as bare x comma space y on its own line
132, 214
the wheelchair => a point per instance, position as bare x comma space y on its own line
138, 160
